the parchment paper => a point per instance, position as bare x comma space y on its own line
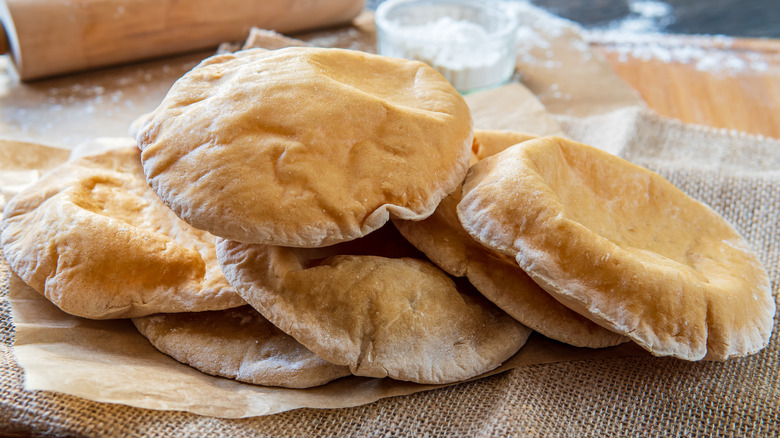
109, 361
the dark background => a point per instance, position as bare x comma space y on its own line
738, 18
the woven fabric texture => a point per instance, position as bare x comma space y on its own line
737, 175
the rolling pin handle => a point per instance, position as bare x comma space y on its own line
4, 48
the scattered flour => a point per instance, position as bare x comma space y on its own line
538, 30
61, 112
646, 16
639, 36
351, 38
646, 8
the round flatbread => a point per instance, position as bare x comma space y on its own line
238, 344
95, 240
383, 317
624, 247
442, 238
305, 147
488, 142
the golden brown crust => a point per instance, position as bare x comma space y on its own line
488, 142
442, 238
239, 344
95, 240
305, 147
622, 246
396, 317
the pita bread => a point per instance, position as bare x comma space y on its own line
383, 317
93, 238
442, 238
488, 142
305, 147
624, 247
239, 344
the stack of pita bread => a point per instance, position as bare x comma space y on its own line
293, 216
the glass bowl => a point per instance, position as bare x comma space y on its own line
470, 43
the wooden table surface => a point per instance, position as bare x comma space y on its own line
747, 100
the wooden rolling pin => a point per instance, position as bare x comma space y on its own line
53, 37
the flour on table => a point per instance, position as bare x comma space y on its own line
640, 36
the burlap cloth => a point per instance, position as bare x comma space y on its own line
738, 175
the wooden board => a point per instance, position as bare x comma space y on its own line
746, 100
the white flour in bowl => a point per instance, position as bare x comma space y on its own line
456, 49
